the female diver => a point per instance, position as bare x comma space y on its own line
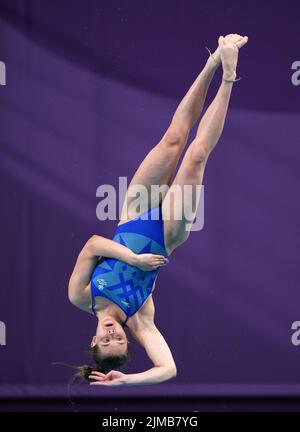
114, 279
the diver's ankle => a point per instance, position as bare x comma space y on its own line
229, 75
214, 59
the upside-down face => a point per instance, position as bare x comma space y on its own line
110, 338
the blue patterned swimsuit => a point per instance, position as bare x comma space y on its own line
125, 285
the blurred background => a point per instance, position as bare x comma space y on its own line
91, 86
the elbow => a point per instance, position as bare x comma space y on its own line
92, 240
72, 289
174, 372
71, 299
171, 372
71, 296
90, 245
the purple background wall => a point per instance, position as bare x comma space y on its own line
91, 86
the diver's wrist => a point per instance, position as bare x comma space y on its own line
132, 258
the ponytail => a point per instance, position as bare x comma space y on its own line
103, 365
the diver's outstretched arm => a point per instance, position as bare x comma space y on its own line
114, 378
160, 354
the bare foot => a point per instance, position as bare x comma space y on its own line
229, 51
237, 39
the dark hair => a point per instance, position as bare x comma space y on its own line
103, 364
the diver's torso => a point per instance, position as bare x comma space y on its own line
128, 286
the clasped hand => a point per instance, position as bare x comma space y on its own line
149, 261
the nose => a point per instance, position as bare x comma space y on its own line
111, 330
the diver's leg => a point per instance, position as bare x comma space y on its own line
160, 163
193, 164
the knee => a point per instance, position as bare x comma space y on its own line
175, 136
199, 154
